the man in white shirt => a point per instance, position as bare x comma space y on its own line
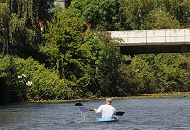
106, 110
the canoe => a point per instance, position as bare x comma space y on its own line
107, 119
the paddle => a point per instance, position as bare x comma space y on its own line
84, 109
120, 113
78, 104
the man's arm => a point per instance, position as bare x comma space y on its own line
98, 110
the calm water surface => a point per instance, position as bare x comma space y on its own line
141, 114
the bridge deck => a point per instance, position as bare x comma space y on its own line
153, 41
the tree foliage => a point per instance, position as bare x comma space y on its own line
28, 80
61, 48
104, 14
79, 55
180, 9
23, 34
157, 74
74, 56
159, 19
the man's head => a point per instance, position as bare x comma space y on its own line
108, 101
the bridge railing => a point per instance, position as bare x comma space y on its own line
152, 37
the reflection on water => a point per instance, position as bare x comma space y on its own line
141, 114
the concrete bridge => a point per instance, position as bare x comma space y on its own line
153, 41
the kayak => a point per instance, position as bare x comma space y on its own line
107, 119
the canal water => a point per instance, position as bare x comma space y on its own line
140, 114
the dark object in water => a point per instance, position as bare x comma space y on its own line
78, 104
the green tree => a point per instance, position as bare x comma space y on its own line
170, 72
83, 57
4, 28
64, 38
104, 14
138, 77
136, 12
24, 35
27, 80
110, 81
180, 9
33, 10
102, 59
159, 18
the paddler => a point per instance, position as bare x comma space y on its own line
106, 110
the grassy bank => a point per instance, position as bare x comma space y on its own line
159, 95
163, 95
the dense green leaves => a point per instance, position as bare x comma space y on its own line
180, 9
73, 58
159, 18
80, 56
28, 80
4, 19
20, 21
157, 73
102, 14
132, 14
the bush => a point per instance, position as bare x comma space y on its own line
32, 81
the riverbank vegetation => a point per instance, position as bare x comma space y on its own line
51, 53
